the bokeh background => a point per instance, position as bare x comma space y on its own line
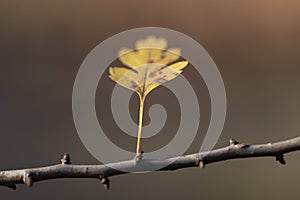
255, 44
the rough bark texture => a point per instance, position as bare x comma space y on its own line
102, 172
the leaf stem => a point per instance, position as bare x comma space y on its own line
141, 112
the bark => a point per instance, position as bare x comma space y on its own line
102, 172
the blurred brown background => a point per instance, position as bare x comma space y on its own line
255, 44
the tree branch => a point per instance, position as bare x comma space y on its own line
102, 172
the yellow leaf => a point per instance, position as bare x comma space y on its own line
149, 66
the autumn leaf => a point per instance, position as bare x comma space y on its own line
147, 67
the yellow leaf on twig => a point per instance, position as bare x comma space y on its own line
147, 67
